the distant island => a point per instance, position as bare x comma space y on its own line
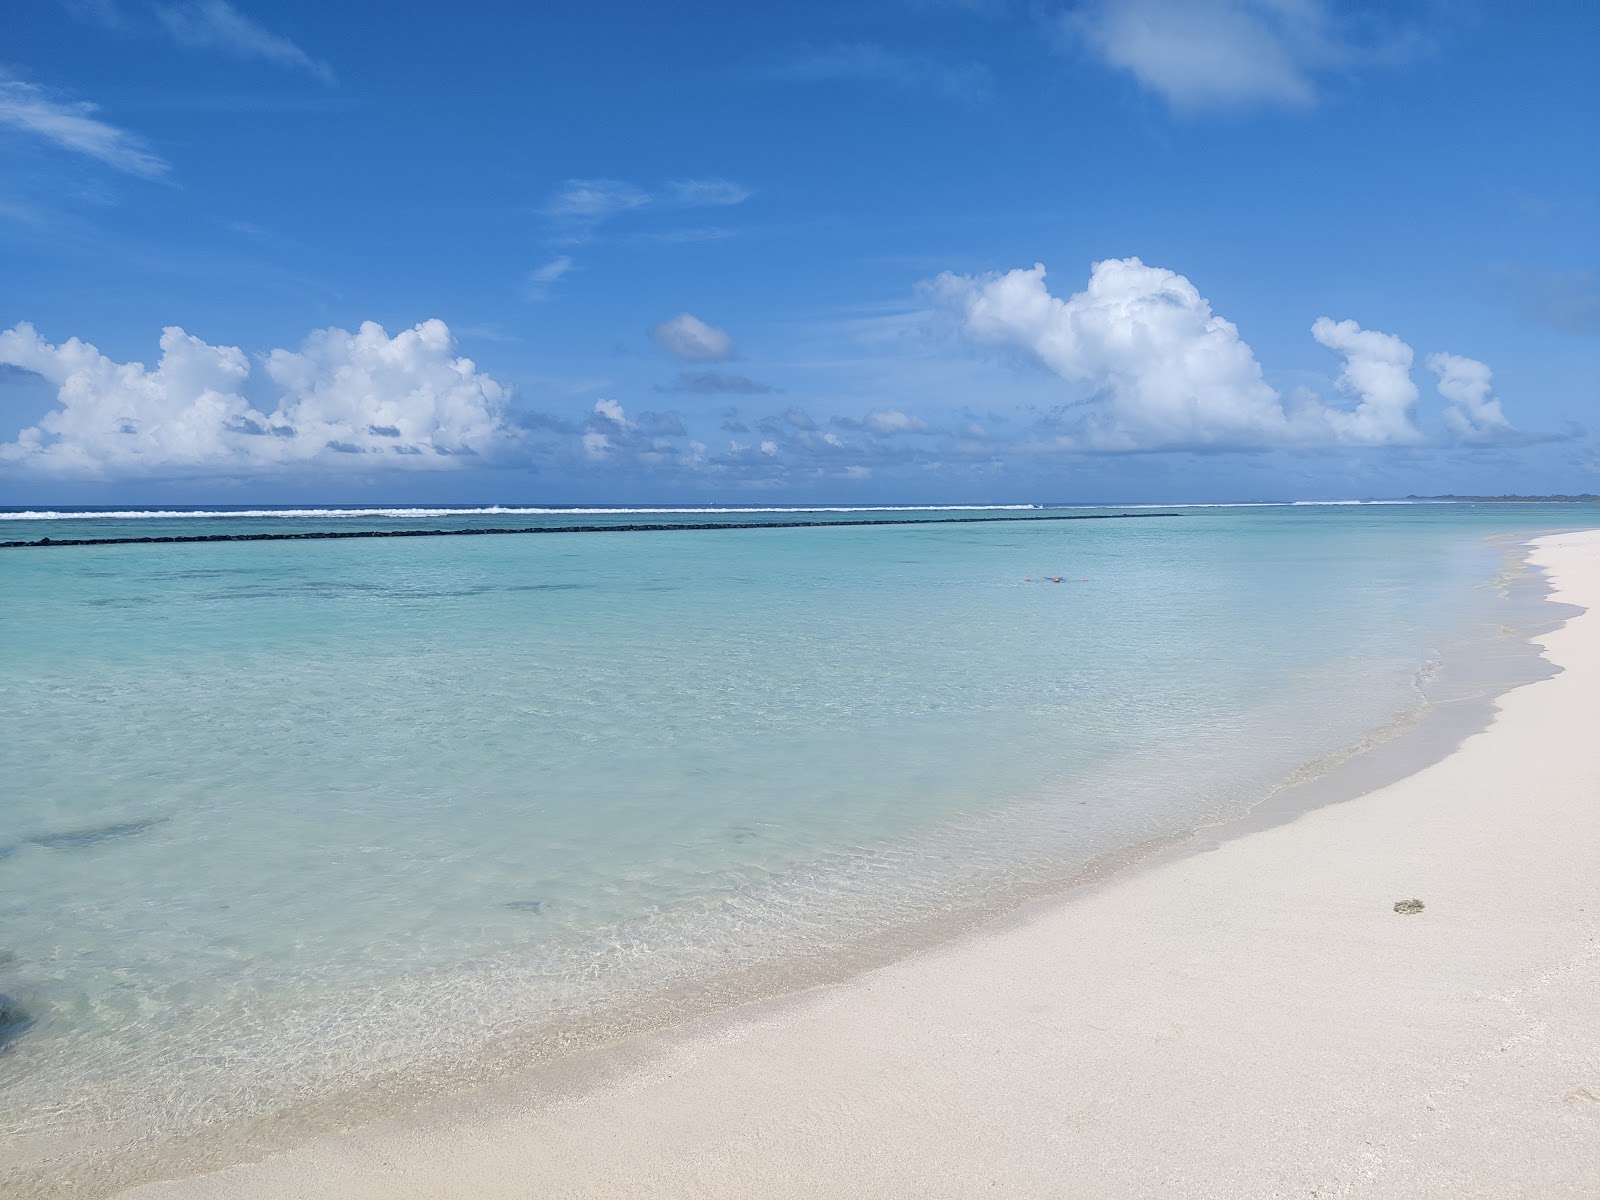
1585, 498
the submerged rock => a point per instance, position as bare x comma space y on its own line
14, 1020
1408, 906
77, 839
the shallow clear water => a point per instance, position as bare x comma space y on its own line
282, 818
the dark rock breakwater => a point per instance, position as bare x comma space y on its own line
675, 527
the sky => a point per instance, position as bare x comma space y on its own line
887, 251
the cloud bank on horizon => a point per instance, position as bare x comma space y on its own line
1143, 363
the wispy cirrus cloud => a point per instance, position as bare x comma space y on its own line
579, 207
72, 125
218, 25
207, 25
594, 200
545, 277
703, 193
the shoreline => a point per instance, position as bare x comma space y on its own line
608, 1075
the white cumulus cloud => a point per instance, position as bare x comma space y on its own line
1156, 369
892, 420
1171, 372
691, 339
1474, 412
611, 411
1377, 371
362, 399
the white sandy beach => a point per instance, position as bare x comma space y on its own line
1252, 1021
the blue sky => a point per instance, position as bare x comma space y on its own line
903, 251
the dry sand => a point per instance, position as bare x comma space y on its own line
1252, 1021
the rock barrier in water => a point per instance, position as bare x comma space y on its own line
680, 527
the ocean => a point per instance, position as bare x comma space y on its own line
302, 826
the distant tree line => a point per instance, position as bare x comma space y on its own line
1585, 498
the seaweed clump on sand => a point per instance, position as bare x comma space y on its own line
1408, 906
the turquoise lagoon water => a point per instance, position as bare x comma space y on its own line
284, 820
